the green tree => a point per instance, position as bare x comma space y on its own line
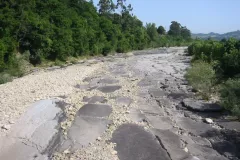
185, 33
175, 29
106, 7
152, 31
161, 30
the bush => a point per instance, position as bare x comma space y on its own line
230, 96
59, 63
4, 78
201, 76
107, 49
226, 53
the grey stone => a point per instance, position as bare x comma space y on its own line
87, 79
200, 105
53, 68
203, 152
6, 127
201, 141
119, 71
178, 96
164, 102
95, 110
34, 133
38, 114
144, 94
171, 143
108, 81
136, 116
108, 89
151, 109
82, 87
134, 143
196, 128
226, 148
159, 122
85, 130
208, 120
94, 99
192, 158
195, 140
126, 101
44, 134
232, 125
20, 151
145, 82
157, 93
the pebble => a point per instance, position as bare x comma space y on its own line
66, 151
99, 138
114, 152
208, 120
186, 149
11, 122
6, 127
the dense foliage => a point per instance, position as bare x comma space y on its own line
57, 29
224, 58
225, 55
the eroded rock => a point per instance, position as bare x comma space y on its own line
200, 105
95, 110
133, 142
95, 99
108, 89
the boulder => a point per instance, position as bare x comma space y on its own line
201, 106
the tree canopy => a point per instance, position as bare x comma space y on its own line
176, 29
161, 30
58, 29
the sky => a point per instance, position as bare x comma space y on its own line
200, 16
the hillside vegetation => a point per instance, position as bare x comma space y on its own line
216, 68
37, 31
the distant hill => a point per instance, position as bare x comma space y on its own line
217, 36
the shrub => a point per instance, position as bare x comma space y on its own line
107, 49
230, 96
4, 78
201, 76
59, 63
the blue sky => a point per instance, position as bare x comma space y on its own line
200, 16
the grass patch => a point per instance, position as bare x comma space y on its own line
201, 77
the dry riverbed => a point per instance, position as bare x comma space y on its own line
17, 96
117, 107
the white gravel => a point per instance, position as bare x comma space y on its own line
16, 96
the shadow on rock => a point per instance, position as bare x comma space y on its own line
226, 142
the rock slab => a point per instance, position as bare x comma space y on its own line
89, 124
33, 135
201, 106
134, 143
